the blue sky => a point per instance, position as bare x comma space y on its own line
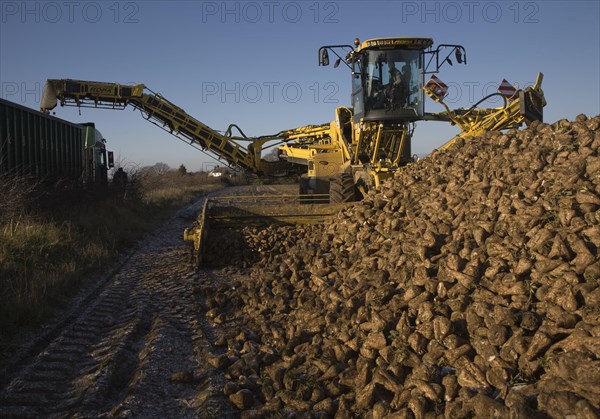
255, 63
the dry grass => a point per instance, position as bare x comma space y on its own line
49, 241
16, 192
39, 264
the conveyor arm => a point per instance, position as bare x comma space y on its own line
161, 112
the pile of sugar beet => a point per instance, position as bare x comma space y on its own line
468, 286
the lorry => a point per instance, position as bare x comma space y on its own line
45, 147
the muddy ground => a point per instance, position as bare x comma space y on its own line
135, 343
468, 286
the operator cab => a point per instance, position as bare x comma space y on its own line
388, 75
387, 79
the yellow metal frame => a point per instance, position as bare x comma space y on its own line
474, 122
234, 211
392, 43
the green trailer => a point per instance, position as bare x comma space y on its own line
36, 144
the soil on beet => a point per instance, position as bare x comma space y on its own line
469, 285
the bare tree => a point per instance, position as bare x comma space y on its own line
161, 169
272, 155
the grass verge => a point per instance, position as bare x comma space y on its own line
46, 254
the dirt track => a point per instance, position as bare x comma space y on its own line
135, 345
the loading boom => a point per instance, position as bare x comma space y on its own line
166, 115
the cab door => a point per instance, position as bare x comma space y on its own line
358, 104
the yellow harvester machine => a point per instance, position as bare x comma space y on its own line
337, 162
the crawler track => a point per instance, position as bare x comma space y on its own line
138, 346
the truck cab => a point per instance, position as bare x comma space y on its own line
97, 159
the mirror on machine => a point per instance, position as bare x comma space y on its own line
459, 56
324, 61
111, 159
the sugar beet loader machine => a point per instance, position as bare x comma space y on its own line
338, 162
